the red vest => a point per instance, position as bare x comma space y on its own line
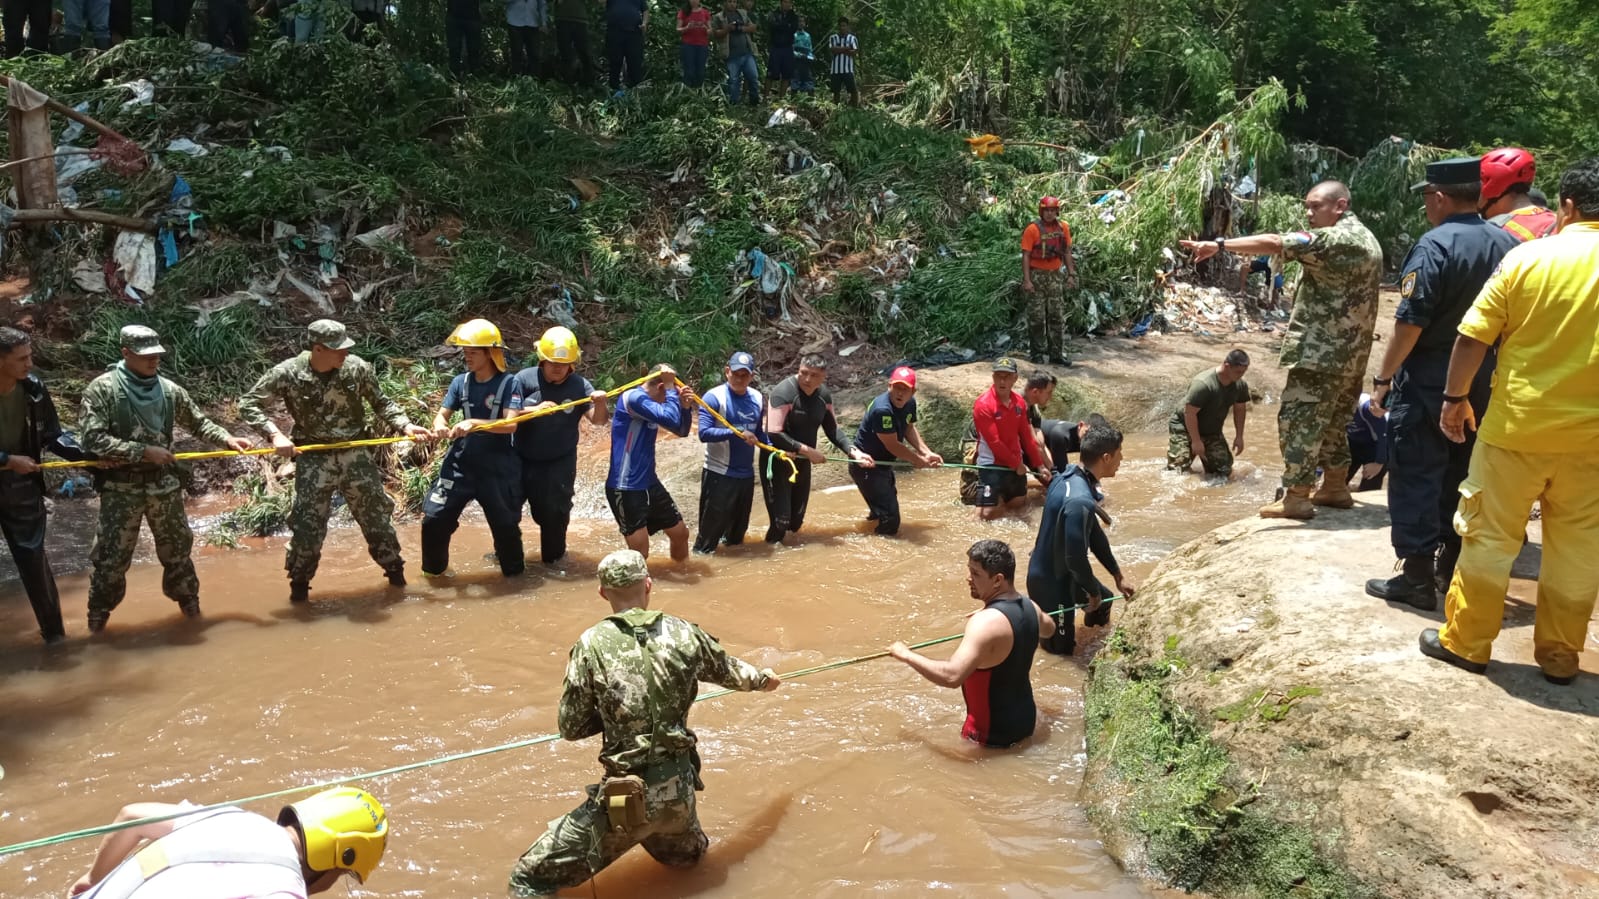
1527, 223
1051, 241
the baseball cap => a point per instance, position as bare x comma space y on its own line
142, 341
1005, 363
741, 361
330, 334
903, 375
623, 568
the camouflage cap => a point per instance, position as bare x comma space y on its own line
330, 334
142, 341
623, 568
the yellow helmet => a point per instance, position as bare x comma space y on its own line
480, 332
559, 345
340, 828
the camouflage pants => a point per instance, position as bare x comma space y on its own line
121, 513
1217, 457
1312, 422
1046, 312
582, 843
354, 474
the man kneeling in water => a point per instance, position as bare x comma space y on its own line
995, 656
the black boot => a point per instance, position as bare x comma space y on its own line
1412, 586
1444, 568
299, 591
396, 575
1432, 649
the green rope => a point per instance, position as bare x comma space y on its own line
113, 827
899, 464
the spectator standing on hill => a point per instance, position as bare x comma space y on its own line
844, 48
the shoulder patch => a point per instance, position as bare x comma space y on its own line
1299, 239
1408, 286
888, 422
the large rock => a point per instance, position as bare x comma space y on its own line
1259, 726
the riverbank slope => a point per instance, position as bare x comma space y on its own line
1259, 726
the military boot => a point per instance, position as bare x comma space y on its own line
1334, 489
396, 575
97, 621
190, 607
1292, 502
299, 591
1412, 586
1444, 568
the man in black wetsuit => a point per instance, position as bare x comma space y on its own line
995, 655
1058, 574
796, 410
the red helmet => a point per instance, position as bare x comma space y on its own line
1049, 203
1504, 168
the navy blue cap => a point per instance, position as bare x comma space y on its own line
741, 361
1459, 170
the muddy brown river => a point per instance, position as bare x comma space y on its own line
846, 783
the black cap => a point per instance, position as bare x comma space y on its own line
1459, 170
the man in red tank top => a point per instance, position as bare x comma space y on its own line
995, 656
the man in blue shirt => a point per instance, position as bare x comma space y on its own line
1059, 575
727, 483
638, 501
888, 433
480, 464
625, 24
1443, 274
547, 444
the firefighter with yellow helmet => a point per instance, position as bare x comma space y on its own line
547, 445
225, 852
481, 463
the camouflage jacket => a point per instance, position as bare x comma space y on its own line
1335, 304
325, 408
633, 677
112, 431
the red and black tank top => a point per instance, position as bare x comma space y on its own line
999, 700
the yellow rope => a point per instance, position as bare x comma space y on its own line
369, 441
793, 470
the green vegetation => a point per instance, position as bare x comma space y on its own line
1202, 826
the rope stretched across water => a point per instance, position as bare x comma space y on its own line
113, 827
364, 442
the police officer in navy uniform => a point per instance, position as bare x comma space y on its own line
1441, 277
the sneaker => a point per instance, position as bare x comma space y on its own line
189, 607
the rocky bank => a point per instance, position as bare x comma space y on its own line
1259, 726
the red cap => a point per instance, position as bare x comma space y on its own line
903, 375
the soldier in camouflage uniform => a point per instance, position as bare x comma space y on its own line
632, 677
327, 391
1195, 428
1327, 344
127, 417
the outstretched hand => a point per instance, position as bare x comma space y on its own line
1201, 249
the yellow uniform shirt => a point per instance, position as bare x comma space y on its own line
1543, 301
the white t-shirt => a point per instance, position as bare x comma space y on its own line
271, 869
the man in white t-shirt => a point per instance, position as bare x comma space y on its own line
229, 853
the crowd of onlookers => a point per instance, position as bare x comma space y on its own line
791, 51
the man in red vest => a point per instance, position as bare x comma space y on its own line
1046, 250
1507, 176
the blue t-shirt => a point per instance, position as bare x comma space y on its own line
634, 426
485, 400
725, 453
883, 418
553, 436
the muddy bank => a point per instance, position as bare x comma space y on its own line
1260, 726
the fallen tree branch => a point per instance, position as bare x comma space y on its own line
87, 216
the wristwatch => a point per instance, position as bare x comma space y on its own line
1382, 382
1221, 244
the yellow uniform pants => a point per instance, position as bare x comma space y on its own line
1495, 498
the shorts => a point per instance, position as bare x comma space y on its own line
996, 488
780, 63
634, 509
